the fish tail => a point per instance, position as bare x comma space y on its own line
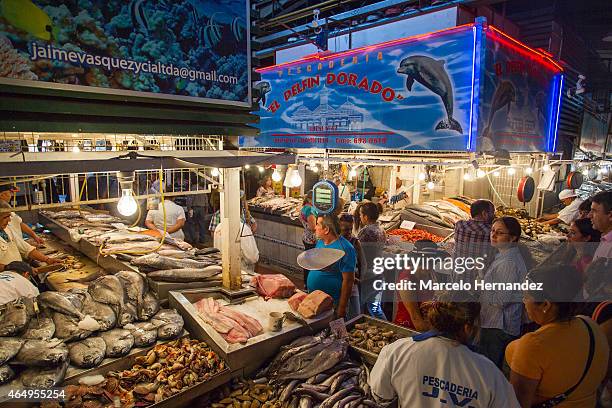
455, 125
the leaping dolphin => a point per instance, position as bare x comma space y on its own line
432, 75
260, 90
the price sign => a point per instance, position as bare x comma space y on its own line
407, 225
325, 197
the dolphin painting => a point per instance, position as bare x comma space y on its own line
260, 90
504, 94
432, 75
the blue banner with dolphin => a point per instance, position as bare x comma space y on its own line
411, 94
194, 50
519, 97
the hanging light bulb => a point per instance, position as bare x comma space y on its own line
546, 168
75, 149
529, 171
127, 204
511, 171
261, 169
480, 173
276, 176
296, 179
431, 185
215, 172
422, 176
247, 166
496, 173
314, 167
467, 177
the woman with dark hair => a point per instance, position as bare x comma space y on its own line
565, 360
265, 187
502, 310
582, 238
441, 368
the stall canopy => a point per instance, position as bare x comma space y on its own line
468, 88
25, 164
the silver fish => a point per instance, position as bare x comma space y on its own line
150, 306
128, 315
119, 342
206, 251
60, 303
67, 329
169, 324
6, 374
42, 353
9, 347
100, 312
186, 275
43, 377
326, 358
156, 261
135, 285
332, 400
87, 353
13, 318
305, 402
109, 290
145, 333
41, 328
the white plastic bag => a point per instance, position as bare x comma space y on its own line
248, 245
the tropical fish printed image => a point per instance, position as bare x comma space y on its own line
175, 47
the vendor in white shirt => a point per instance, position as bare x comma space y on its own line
572, 202
401, 198
344, 192
175, 219
6, 194
427, 369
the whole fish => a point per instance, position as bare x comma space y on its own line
186, 275
119, 342
145, 333
13, 318
305, 402
88, 278
67, 328
169, 324
42, 353
133, 246
150, 306
326, 358
43, 377
6, 374
128, 315
206, 251
179, 243
9, 347
109, 290
41, 328
135, 285
100, 312
87, 353
329, 402
288, 390
60, 303
174, 253
156, 261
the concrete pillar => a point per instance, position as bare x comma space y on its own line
230, 216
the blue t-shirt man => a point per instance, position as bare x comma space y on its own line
330, 280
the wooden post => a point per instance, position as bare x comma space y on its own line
230, 217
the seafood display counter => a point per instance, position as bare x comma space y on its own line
108, 262
368, 335
248, 355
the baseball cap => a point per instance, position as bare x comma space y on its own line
8, 187
567, 193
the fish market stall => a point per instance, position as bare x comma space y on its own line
246, 353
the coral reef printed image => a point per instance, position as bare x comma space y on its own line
184, 48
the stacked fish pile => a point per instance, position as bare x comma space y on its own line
437, 213
233, 326
289, 207
164, 371
195, 266
114, 314
311, 371
84, 219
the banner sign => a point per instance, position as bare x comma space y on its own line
519, 98
594, 132
413, 94
173, 49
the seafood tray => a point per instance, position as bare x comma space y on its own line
250, 355
111, 364
109, 263
369, 357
